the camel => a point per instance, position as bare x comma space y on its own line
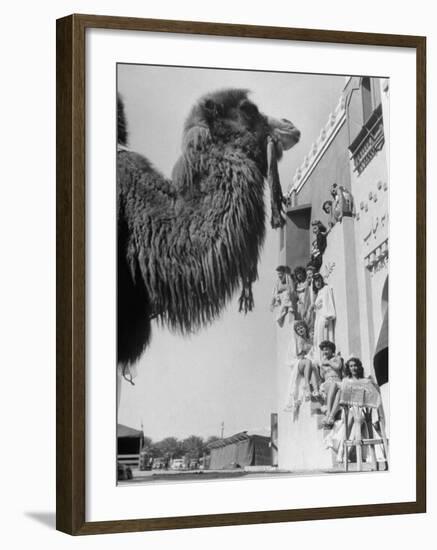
186, 244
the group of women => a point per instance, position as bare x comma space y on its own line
305, 296
306, 302
304, 299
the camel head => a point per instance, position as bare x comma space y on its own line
227, 120
227, 115
185, 245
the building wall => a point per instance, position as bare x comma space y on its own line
296, 450
340, 274
370, 189
333, 167
355, 263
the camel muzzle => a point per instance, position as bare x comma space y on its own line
284, 131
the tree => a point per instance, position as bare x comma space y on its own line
169, 447
147, 442
193, 447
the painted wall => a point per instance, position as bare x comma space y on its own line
339, 273
355, 260
297, 451
333, 167
371, 192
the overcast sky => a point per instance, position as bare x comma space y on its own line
225, 373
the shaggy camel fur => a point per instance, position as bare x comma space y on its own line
186, 244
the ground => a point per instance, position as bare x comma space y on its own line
205, 475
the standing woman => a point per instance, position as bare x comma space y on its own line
302, 293
318, 246
283, 294
324, 309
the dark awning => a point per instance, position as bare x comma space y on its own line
241, 436
383, 335
125, 431
380, 358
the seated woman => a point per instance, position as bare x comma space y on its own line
361, 400
303, 369
359, 391
331, 372
353, 371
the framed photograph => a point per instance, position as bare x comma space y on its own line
231, 202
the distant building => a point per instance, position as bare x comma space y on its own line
129, 445
351, 152
240, 450
178, 464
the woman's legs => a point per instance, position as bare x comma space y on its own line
335, 404
332, 402
316, 379
309, 372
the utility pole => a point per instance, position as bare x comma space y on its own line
274, 438
222, 431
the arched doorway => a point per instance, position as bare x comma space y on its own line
380, 358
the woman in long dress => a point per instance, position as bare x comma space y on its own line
283, 294
302, 294
324, 309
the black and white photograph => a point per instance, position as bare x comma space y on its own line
252, 274
203, 204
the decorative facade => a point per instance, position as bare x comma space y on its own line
352, 152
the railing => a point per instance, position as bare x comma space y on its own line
378, 257
128, 459
369, 141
